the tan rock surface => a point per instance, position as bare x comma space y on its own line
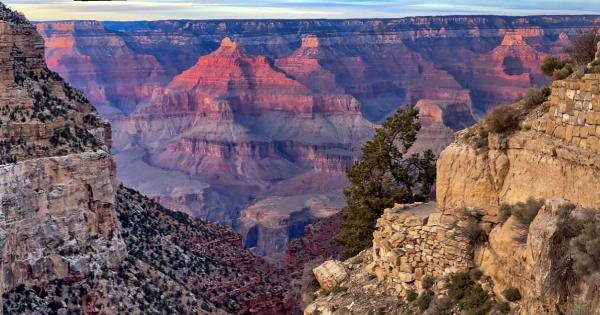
330, 274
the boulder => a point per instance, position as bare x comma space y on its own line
330, 274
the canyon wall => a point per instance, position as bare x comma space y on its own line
252, 123
74, 241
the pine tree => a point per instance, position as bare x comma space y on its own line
384, 176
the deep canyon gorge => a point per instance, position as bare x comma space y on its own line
252, 123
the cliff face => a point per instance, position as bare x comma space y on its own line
249, 121
57, 181
511, 204
73, 241
558, 154
554, 157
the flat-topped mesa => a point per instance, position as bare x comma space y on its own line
513, 39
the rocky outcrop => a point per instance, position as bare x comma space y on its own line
330, 274
553, 156
529, 163
58, 218
57, 180
490, 215
532, 267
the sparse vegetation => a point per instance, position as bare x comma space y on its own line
472, 229
581, 52
583, 46
468, 295
442, 306
503, 119
511, 294
524, 213
533, 97
503, 308
411, 296
428, 283
424, 300
475, 274
557, 69
586, 248
383, 177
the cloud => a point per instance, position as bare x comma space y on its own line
221, 9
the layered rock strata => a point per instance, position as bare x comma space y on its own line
286, 103
72, 241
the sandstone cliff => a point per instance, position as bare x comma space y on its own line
510, 210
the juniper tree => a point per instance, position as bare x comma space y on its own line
384, 176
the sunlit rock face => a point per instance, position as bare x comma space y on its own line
251, 123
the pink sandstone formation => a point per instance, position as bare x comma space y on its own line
238, 115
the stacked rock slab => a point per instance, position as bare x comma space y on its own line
575, 112
408, 246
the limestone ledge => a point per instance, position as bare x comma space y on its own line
527, 164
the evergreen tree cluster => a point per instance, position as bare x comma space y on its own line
385, 175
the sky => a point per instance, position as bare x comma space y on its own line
46, 10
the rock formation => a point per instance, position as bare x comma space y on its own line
282, 106
268, 148
509, 208
73, 241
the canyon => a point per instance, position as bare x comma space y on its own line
251, 124
74, 241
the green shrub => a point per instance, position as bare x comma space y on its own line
534, 97
503, 119
557, 69
428, 282
475, 233
503, 308
425, 299
442, 306
550, 64
586, 248
504, 213
475, 301
411, 296
458, 286
475, 274
567, 228
563, 73
524, 213
468, 295
511, 294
